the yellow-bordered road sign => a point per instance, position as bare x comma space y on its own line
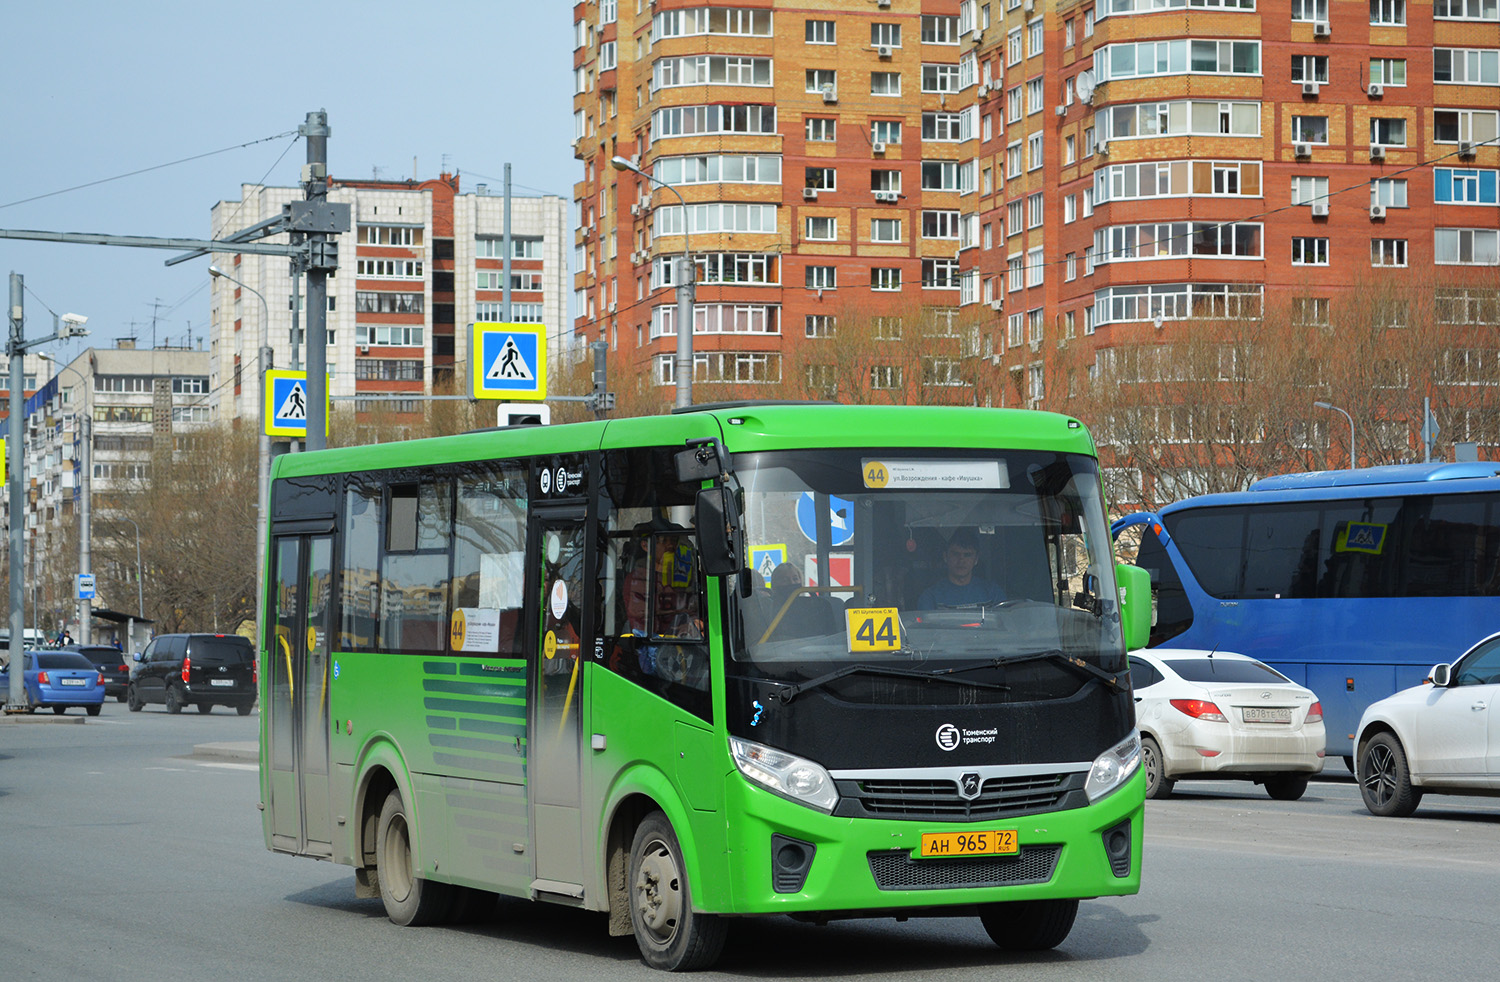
286, 403
509, 361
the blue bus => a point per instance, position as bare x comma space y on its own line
1352, 582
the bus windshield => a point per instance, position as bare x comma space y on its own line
935, 563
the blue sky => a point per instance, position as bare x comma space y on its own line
93, 90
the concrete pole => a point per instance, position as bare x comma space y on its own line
86, 526
16, 697
263, 507
505, 257
315, 180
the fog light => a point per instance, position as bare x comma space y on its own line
1117, 848
791, 861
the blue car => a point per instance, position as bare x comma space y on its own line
59, 679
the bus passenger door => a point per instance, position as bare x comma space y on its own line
554, 755
299, 695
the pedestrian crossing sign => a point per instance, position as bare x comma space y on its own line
509, 361
286, 403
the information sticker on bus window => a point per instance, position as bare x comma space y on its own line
873, 629
941, 475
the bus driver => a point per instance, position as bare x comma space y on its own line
960, 588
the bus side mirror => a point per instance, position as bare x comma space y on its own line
702, 461
1134, 585
720, 536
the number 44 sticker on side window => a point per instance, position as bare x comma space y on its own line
873, 629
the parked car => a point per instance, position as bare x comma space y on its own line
1216, 714
203, 670
60, 679
1441, 736
110, 662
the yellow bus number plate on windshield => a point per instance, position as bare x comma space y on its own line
993, 842
873, 629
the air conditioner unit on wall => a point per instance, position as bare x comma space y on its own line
1377, 211
809, 194
1320, 209
1377, 152
883, 50
878, 147
1322, 29
1309, 88
1060, 110
1466, 148
984, 90
1376, 90
830, 94
636, 208
886, 196
1302, 149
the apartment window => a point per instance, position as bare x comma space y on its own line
1309, 10
939, 78
820, 325
940, 274
988, 238
608, 58
820, 32
1388, 12
821, 277
939, 175
886, 35
1466, 247
885, 180
939, 29
1310, 68
1035, 324
821, 229
885, 278
1013, 160
1306, 190
885, 377
1388, 191
1088, 202
1014, 219
1036, 266
940, 224
1387, 252
1015, 268
885, 131
1070, 149
1388, 132
941, 127
1310, 129
819, 77
1013, 47
1034, 151
988, 129
887, 83
1071, 267
1015, 330
1464, 125
820, 178
1035, 383
1070, 209
1034, 96
1466, 9
1467, 186
1034, 38
1308, 251
1068, 33
1466, 66
1088, 141
1199, 57
885, 230
1310, 311
820, 130
1034, 212
1388, 71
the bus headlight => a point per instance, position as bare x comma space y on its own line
786, 774
1114, 767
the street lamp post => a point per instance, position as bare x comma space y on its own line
140, 593
264, 476
683, 364
1329, 405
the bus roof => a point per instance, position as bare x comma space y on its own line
744, 427
1389, 474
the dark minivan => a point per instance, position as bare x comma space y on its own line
203, 670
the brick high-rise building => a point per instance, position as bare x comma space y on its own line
1085, 172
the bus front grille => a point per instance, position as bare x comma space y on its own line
939, 800
895, 869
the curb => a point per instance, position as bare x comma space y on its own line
37, 718
244, 751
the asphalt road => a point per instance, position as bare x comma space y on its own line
126, 856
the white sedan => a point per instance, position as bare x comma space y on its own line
1441, 736
1215, 714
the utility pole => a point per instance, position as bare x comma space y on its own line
505, 259
322, 259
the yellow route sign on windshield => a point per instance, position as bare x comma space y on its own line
873, 629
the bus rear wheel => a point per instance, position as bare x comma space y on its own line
409, 900
1029, 925
671, 935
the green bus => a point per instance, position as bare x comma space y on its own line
750, 659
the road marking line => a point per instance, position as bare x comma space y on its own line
231, 767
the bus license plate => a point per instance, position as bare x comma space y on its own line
992, 842
1267, 714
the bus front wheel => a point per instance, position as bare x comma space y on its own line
409, 900
1029, 925
671, 935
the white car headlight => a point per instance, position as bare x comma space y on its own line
786, 774
1114, 767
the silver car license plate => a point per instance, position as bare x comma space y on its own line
223, 682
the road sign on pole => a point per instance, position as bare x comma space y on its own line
286, 403
509, 361
85, 586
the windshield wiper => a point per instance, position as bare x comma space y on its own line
791, 692
1111, 679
